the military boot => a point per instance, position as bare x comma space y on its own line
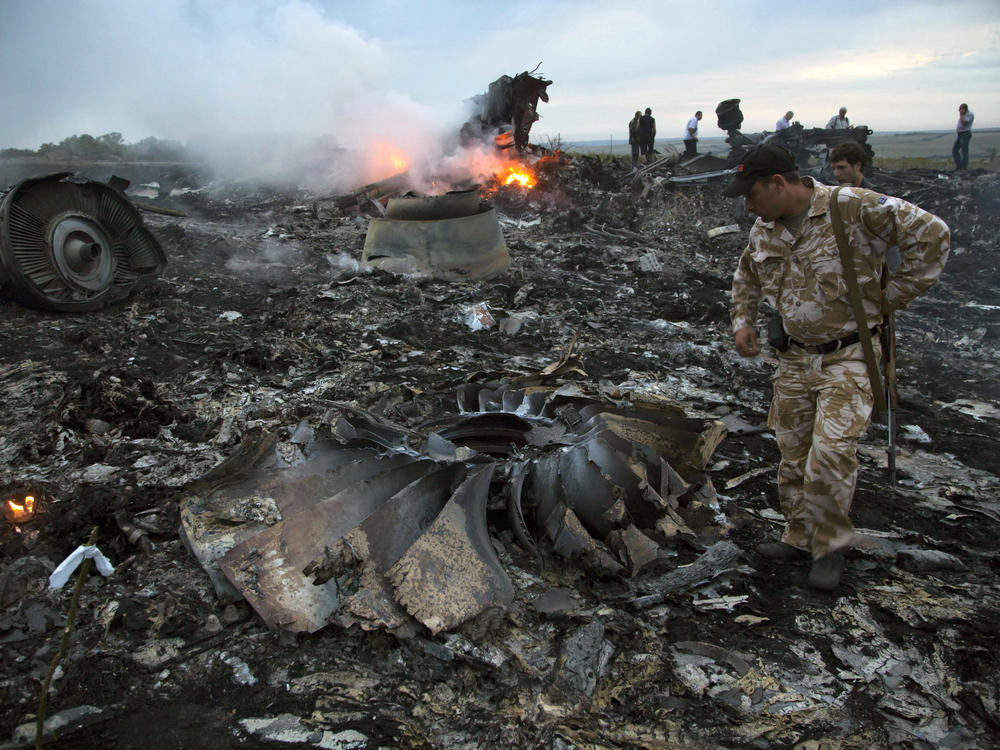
826, 571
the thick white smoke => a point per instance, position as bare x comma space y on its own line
281, 92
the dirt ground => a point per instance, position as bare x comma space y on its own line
264, 319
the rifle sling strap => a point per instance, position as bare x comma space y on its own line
854, 292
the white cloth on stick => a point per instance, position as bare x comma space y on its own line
61, 574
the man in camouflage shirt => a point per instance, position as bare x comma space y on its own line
822, 395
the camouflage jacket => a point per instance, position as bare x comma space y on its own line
802, 277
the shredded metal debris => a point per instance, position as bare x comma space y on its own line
659, 628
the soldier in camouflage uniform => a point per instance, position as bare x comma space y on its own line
822, 395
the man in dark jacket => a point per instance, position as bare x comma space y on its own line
647, 134
633, 138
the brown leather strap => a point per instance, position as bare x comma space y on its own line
854, 292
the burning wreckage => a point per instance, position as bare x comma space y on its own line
526, 534
507, 110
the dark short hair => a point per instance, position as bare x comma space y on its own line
649, 111
851, 151
792, 178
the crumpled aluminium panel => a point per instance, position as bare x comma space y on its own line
367, 529
609, 488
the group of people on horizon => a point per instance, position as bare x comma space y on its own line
839, 121
642, 135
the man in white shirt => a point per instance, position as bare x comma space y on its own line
839, 121
784, 122
963, 134
691, 135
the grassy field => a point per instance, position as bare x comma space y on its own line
928, 150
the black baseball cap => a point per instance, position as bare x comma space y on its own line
762, 161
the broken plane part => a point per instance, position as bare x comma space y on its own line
451, 573
363, 529
268, 569
69, 244
452, 205
362, 557
453, 249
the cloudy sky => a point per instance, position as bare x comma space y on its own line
181, 69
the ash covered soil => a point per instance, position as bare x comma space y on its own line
264, 320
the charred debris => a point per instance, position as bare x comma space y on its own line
810, 145
359, 494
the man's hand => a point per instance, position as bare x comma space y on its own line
746, 342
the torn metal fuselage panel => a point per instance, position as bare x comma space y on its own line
337, 522
450, 237
268, 569
361, 559
451, 573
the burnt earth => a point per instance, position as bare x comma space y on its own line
263, 319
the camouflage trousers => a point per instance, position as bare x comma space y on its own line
821, 406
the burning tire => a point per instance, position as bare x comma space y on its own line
70, 244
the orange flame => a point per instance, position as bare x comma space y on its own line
21, 511
519, 175
386, 159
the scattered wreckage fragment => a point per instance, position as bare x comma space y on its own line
365, 528
450, 575
508, 109
71, 244
372, 192
810, 145
452, 237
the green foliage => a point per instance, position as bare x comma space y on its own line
107, 147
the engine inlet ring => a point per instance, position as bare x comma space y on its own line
82, 252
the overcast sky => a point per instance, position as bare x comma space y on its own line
400, 70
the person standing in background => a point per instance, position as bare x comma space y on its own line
963, 133
691, 135
647, 134
839, 121
633, 138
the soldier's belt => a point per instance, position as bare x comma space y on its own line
831, 346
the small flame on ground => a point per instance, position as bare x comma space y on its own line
21, 511
398, 163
